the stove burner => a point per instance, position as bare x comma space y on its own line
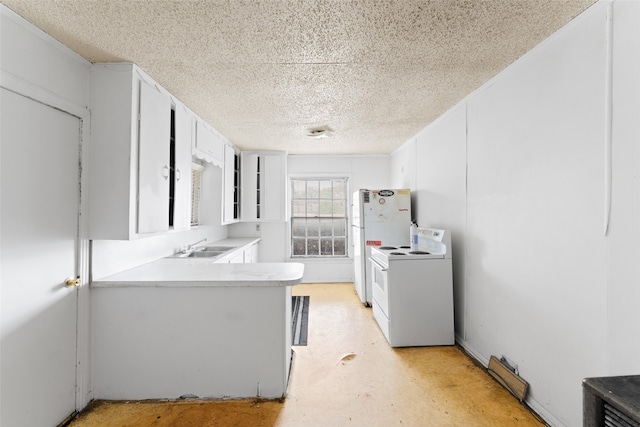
397, 253
405, 247
418, 253
387, 248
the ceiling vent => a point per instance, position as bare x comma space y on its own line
320, 132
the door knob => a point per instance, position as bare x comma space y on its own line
72, 281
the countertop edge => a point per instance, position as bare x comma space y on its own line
199, 284
217, 275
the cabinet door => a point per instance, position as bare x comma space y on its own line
264, 186
247, 255
274, 188
153, 160
254, 252
209, 145
230, 205
250, 187
237, 258
182, 189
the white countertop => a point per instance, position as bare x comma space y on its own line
205, 272
200, 272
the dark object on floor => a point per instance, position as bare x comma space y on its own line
299, 319
611, 401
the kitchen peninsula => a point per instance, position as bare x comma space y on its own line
192, 327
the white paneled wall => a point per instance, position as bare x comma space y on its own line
535, 195
623, 240
404, 166
519, 172
440, 196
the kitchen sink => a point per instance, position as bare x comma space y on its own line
197, 254
204, 252
216, 248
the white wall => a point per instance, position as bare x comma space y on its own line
623, 241
404, 166
518, 171
24, 61
364, 171
35, 66
534, 239
440, 197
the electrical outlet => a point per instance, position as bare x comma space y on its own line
257, 227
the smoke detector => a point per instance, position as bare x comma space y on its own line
320, 132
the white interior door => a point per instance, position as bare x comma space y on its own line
38, 235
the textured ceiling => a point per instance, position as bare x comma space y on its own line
263, 72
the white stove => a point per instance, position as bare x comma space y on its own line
432, 244
413, 290
385, 253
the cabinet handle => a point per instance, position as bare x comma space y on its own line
165, 172
177, 174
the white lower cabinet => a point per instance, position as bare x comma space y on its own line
150, 345
254, 253
237, 258
251, 253
244, 254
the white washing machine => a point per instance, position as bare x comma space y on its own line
413, 291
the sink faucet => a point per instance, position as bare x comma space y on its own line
193, 245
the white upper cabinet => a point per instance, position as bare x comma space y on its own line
231, 186
264, 188
209, 144
153, 170
133, 182
183, 122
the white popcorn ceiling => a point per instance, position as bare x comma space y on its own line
264, 72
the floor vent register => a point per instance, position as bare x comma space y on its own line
506, 375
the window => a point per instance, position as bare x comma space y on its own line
196, 192
319, 217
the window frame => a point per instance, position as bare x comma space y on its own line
347, 217
197, 170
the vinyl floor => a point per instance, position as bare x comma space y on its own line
347, 375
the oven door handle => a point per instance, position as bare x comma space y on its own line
382, 267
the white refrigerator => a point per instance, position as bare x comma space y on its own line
380, 218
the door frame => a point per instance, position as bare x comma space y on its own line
31, 91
